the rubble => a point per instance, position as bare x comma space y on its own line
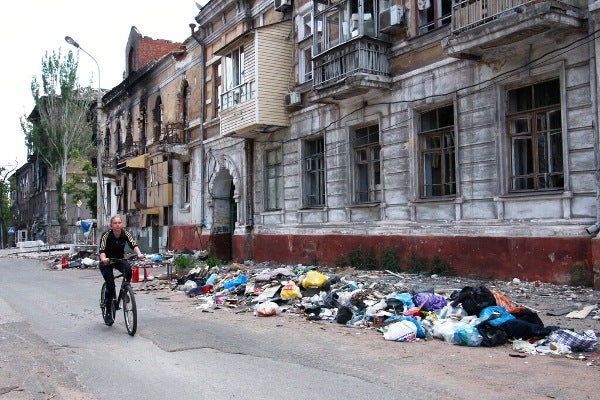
395, 305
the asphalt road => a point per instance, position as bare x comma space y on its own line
53, 345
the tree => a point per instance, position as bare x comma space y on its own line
82, 187
5, 173
59, 129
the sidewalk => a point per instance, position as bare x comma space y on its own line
32, 249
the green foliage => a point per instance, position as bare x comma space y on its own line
441, 266
183, 262
58, 129
416, 265
358, 259
82, 186
426, 266
213, 261
389, 260
581, 276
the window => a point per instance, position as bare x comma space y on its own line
367, 164
118, 139
433, 14
437, 153
304, 26
157, 119
185, 185
185, 105
314, 172
305, 64
274, 180
535, 133
235, 88
344, 20
217, 88
106, 154
142, 126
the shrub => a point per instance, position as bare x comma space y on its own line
213, 261
581, 276
389, 260
183, 262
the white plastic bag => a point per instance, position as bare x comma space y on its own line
401, 331
267, 309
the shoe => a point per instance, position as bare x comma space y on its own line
108, 318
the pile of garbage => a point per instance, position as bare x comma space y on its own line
391, 303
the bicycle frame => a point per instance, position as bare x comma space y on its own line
124, 299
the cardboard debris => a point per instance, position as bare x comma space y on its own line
584, 312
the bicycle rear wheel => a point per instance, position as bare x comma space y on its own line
129, 310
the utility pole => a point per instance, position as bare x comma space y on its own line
100, 201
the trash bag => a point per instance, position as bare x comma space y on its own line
401, 331
290, 291
473, 299
429, 301
492, 335
313, 278
577, 341
344, 314
467, 335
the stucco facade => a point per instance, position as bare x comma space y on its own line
304, 131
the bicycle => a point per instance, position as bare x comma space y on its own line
126, 298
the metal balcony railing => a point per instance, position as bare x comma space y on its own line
363, 55
467, 14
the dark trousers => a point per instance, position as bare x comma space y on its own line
109, 277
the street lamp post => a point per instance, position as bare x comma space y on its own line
100, 206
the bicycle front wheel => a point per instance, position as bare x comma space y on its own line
103, 304
129, 310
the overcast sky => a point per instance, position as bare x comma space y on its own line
31, 28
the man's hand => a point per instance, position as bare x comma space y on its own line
140, 256
105, 261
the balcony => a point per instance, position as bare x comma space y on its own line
482, 28
255, 104
352, 68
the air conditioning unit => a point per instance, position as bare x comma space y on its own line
118, 190
293, 99
282, 5
391, 18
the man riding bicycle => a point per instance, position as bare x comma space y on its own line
112, 246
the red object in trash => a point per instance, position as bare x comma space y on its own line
135, 275
63, 261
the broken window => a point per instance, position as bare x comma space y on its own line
274, 180
185, 185
314, 172
535, 133
367, 164
157, 115
437, 153
433, 14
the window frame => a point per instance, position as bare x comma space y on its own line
313, 171
445, 152
536, 180
433, 17
366, 161
185, 184
273, 180
236, 88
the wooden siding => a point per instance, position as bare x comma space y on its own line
274, 55
268, 62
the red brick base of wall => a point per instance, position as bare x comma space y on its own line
526, 258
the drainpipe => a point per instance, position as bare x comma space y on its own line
594, 12
202, 116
